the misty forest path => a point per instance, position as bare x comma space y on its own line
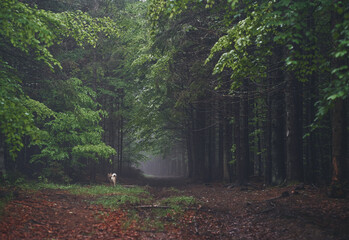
220, 213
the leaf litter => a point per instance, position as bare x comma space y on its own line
219, 213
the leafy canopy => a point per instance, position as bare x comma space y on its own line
33, 31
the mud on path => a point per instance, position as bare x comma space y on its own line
220, 213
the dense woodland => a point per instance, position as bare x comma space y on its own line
221, 90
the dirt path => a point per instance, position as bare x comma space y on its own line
56, 214
257, 213
220, 213
264, 214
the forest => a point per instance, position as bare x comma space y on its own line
218, 90
221, 119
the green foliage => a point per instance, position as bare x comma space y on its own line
29, 29
34, 31
75, 134
144, 75
91, 151
145, 84
111, 197
245, 48
159, 9
15, 117
40, 110
114, 197
175, 207
338, 87
184, 201
85, 29
98, 190
117, 201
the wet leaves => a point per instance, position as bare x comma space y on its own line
59, 215
219, 213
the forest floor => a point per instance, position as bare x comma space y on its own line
219, 212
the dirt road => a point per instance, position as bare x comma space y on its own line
219, 213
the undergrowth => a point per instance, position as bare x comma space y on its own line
162, 212
111, 197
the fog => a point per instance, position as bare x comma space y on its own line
171, 166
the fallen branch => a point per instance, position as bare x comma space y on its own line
162, 207
153, 206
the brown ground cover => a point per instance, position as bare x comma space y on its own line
221, 212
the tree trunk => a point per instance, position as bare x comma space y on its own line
221, 142
278, 118
2, 157
236, 157
294, 147
278, 139
258, 156
268, 160
208, 143
338, 148
243, 160
199, 135
312, 162
189, 144
338, 122
228, 142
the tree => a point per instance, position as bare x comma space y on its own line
340, 78
35, 32
72, 139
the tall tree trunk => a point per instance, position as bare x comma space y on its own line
199, 149
278, 139
338, 135
236, 137
243, 162
121, 143
189, 144
212, 166
338, 122
258, 156
228, 141
312, 162
221, 141
294, 147
268, 160
208, 143
2, 156
278, 118
338, 148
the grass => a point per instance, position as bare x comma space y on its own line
93, 190
178, 203
185, 201
115, 201
98, 190
111, 197
158, 218
175, 190
154, 219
